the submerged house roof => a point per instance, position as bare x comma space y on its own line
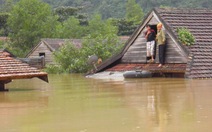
43, 51
46, 47
54, 44
194, 61
11, 68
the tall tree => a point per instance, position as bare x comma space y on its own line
3, 24
7, 5
65, 12
134, 11
71, 28
29, 21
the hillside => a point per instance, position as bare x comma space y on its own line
116, 8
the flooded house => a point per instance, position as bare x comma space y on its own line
180, 60
12, 68
42, 53
47, 46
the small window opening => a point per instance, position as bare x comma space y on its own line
42, 54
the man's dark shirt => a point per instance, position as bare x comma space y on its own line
151, 36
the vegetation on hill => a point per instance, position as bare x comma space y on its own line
27, 21
117, 8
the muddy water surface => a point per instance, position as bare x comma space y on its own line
73, 103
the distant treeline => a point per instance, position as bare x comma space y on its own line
116, 8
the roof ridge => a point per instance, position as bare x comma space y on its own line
173, 9
60, 39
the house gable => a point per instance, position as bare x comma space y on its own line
42, 48
136, 52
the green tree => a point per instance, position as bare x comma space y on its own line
101, 41
29, 21
133, 18
7, 5
3, 24
65, 12
134, 12
124, 27
69, 59
97, 26
72, 29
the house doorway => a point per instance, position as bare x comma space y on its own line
42, 59
154, 27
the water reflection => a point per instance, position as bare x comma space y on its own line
78, 104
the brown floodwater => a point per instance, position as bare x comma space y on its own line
73, 103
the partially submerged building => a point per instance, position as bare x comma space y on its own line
181, 61
12, 68
46, 47
42, 53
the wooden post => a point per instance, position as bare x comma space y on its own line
2, 85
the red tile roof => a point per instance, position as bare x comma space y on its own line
11, 68
167, 68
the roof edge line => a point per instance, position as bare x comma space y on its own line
183, 48
33, 49
49, 46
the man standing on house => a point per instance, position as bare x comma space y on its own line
161, 39
150, 45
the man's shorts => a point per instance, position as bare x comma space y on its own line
150, 48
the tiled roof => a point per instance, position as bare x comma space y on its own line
11, 68
199, 22
167, 68
56, 43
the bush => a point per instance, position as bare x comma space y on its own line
54, 69
71, 59
185, 36
101, 41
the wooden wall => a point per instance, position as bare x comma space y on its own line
136, 52
37, 62
42, 48
173, 53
